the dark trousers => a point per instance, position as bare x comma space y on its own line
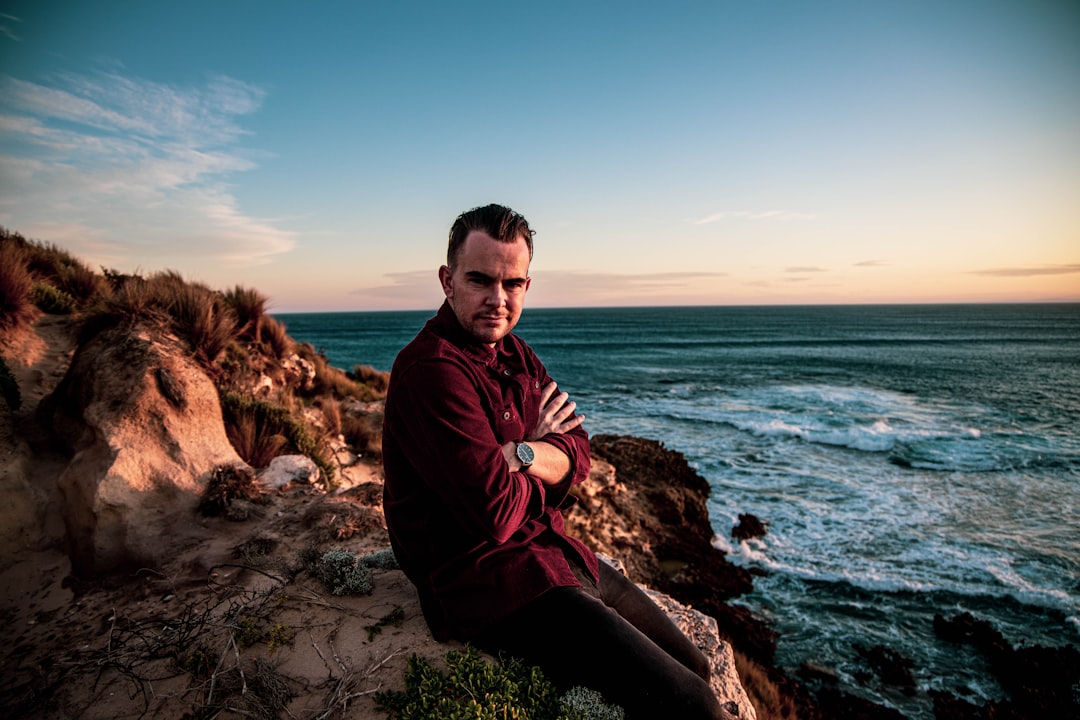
610, 637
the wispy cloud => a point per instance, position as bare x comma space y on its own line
130, 162
551, 287
6, 29
747, 215
871, 263
1029, 271
805, 269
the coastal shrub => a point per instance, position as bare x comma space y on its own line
16, 284
474, 689
590, 704
343, 574
382, 559
50, 300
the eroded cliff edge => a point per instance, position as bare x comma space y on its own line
127, 598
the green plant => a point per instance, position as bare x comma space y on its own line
280, 635
343, 574
247, 632
50, 300
382, 559
395, 617
473, 689
590, 704
199, 662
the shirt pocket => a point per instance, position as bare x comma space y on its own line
508, 425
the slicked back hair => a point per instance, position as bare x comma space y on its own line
498, 221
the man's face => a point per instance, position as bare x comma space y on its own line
487, 286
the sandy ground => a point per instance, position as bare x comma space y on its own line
232, 624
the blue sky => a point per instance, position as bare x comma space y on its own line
666, 153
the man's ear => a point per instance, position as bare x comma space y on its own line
446, 279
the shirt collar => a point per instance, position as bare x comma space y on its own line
446, 324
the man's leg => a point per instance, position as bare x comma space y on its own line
578, 640
627, 599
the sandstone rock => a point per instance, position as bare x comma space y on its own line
138, 458
286, 469
702, 630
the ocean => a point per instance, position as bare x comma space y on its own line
909, 460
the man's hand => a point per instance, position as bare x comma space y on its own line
556, 414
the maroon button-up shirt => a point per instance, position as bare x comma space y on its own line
477, 540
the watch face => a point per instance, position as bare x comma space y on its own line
525, 454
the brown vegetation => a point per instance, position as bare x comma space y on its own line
228, 332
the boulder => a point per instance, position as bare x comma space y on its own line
143, 425
288, 469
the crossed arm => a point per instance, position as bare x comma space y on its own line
551, 465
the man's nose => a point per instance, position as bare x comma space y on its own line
496, 296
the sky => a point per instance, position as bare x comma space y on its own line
675, 153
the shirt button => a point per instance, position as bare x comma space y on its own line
506, 373
506, 415
536, 384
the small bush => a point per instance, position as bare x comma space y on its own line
280, 635
473, 689
590, 704
50, 300
227, 483
382, 559
343, 574
247, 632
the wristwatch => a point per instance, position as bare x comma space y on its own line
525, 454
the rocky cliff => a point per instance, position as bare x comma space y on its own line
148, 571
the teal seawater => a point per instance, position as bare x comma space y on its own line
910, 460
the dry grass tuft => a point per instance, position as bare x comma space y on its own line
249, 308
364, 432
16, 284
769, 700
274, 337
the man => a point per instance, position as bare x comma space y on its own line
480, 449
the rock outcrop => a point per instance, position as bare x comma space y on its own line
645, 505
142, 423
